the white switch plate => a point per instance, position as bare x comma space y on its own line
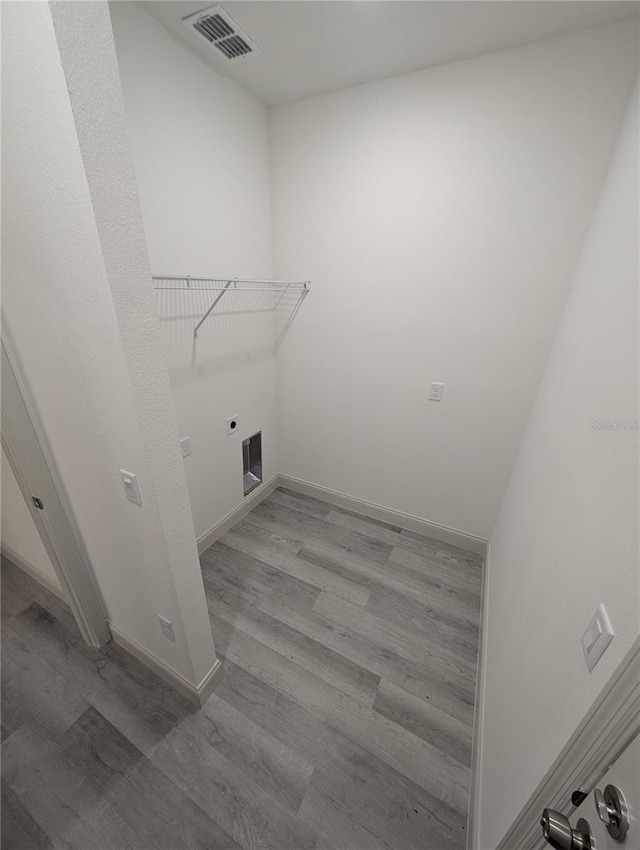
185, 446
233, 425
436, 391
131, 487
597, 637
167, 628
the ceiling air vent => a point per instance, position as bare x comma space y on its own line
214, 26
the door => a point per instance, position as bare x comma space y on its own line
27, 450
624, 776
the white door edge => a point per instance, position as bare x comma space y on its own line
612, 722
28, 451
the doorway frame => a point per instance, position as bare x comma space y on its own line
32, 460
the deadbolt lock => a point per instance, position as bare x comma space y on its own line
612, 811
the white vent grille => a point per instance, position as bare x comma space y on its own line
214, 26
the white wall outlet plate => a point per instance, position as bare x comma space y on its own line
131, 487
167, 628
437, 388
185, 446
597, 637
233, 425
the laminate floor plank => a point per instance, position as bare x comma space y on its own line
285, 718
253, 579
334, 750
380, 647
19, 830
111, 680
381, 639
37, 706
171, 819
324, 578
342, 826
443, 552
309, 571
229, 795
299, 502
275, 767
436, 608
392, 812
461, 580
343, 720
341, 759
100, 828
411, 541
314, 533
273, 549
454, 638
313, 655
72, 776
18, 591
428, 767
425, 720
453, 602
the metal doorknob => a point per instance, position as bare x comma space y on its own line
559, 834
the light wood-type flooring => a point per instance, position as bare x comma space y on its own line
343, 721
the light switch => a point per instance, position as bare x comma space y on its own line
167, 628
597, 637
131, 487
185, 446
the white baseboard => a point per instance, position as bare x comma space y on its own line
33, 572
248, 504
198, 694
411, 523
473, 822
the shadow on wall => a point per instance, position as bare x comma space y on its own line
245, 326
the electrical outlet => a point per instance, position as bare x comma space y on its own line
232, 425
185, 446
436, 391
167, 628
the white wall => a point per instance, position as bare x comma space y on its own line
77, 299
566, 538
18, 531
200, 144
439, 216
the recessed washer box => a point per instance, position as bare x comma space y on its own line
252, 462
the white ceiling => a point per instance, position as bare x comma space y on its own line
313, 46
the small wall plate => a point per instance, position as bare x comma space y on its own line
233, 425
597, 637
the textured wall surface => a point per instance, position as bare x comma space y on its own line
98, 379
200, 144
88, 55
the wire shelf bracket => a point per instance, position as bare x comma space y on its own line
223, 285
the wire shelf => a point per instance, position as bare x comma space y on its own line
222, 285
